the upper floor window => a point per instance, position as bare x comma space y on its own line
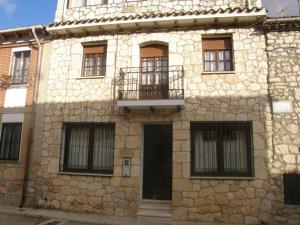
89, 148
10, 141
20, 67
279, 8
84, 3
217, 54
94, 60
221, 149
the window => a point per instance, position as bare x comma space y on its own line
20, 67
94, 61
279, 8
217, 54
10, 141
291, 183
221, 149
89, 148
84, 3
154, 77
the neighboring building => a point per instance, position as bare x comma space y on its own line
283, 47
20, 66
182, 110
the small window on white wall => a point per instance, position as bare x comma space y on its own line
280, 8
20, 67
84, 3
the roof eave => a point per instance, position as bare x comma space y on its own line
164, 22
20, 33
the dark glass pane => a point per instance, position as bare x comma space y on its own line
10, 141
21, 67
95, 65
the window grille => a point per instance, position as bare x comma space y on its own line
221, 149
89, 147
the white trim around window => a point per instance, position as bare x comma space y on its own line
13, 118
21, 49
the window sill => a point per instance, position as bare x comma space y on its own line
218, 72
9, 161
221, 178
86, 174
88, 78
18, 85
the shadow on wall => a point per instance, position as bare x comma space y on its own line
230, 201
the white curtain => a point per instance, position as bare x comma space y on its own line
235, 151
78, 148
103, 148
205, 151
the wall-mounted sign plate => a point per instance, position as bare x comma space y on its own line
126, 170
282, 107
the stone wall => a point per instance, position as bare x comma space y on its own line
238, 96
121, 8
284, 67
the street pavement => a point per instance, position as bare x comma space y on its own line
28, 220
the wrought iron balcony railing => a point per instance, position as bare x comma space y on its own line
137, 83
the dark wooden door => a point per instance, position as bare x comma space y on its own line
157, 171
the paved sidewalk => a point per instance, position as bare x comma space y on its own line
39, 215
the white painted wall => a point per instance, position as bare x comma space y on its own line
13, 118
15, 97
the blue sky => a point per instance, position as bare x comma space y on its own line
16, 13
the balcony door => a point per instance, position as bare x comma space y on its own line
154, 76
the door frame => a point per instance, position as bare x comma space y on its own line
142, 155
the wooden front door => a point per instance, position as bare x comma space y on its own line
157, 170
154, 76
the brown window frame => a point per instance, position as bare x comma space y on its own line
94, 52
219, 47
67, 127
222, 129
20, 77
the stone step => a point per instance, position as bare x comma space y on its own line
155, 211
151, 221
158, 212
159, 206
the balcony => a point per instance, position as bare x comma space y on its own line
160, 87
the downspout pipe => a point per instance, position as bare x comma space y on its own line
32, 118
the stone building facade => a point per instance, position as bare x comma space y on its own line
239, 95
220, 102
283, 47
20, 57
